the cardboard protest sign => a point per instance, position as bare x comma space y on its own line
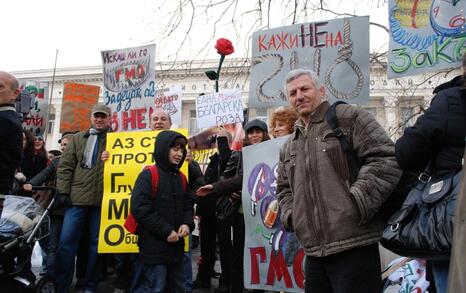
78, 100
273, 259
337, 50
207, 139
169, 99
36, 120
129, 86
425, 35
220, 108
129, 153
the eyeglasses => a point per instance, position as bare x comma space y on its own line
39, 138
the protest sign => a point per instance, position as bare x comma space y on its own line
425, 35
129, 153
273, 259
36, 120
169, 100
129, 86
220, 108
78, 100
207, 139
337, 50
202, 157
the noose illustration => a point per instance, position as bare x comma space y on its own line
259, 90
344, 55
294, 62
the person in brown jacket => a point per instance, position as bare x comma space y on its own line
336, 221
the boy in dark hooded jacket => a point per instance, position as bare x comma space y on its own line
163, 220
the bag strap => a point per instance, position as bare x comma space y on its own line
351, 157
184, 181
155, 179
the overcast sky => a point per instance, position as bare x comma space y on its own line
33, 30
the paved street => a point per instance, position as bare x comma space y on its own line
107, 285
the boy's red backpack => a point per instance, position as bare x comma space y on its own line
130, 222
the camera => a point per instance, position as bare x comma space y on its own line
24, 103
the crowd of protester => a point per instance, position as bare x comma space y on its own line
340, 237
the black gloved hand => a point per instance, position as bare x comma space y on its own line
62, 200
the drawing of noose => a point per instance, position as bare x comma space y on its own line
259, 90
344, 55
294, 62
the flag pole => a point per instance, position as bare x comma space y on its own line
50, 98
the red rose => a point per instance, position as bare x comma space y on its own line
224, 47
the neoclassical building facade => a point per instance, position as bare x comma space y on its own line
395, 103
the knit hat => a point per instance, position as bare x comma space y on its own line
256, 123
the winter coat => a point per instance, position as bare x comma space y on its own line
31, 166
316, 199
84, 186
171, 208
232, 177
196, 178
48, 176
439, 133
11, 135
217, 164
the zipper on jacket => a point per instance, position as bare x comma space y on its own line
315, 220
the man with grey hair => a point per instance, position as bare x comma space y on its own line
10, 131
334, 218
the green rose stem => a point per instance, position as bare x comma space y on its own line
222, 57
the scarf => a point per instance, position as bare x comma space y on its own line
92, 149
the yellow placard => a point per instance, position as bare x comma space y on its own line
186, 243
129, 153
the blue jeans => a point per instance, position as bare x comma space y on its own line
49, 244
188, 268
161, 278
440, 272
73, 223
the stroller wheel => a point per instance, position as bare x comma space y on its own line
46, 284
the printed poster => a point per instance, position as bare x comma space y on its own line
425, 35
36, 120
129, 153
337, 50
129, 86
273, 259
78, 100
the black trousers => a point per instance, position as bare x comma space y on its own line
354, 270
237, 278
212, 232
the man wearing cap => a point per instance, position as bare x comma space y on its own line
10, 131
80, 184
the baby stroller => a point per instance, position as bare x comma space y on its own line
22, 223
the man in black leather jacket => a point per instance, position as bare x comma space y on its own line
10, 131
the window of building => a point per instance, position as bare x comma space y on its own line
261, 114
372, 110
51, 123
192, 127
407, 117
